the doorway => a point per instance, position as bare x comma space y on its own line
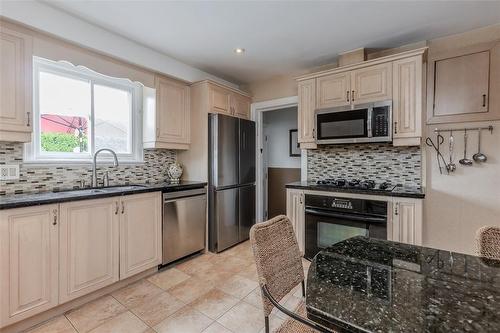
275, 166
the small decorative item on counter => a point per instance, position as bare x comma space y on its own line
174, 172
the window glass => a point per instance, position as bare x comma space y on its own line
112, 114
64, 114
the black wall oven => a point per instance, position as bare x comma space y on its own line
365, 123
330, 220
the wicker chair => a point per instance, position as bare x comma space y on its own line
488, 242
279, 267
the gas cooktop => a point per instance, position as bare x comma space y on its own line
357, 184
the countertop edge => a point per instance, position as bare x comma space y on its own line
148, 188
340, 190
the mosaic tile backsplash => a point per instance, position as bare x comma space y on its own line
53, 178
381, 162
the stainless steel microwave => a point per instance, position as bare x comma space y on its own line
371, 122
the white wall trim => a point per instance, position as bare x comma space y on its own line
256, 113
43, 17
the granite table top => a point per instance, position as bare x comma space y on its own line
33, 199
369, 285
399, 191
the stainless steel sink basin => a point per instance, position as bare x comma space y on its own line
108, 189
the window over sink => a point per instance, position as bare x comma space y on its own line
77, 111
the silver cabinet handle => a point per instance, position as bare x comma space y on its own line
396, 209
54, 221
28, 123
347, 95
116, 208
123, 207
352, 95
395, 127
484, 100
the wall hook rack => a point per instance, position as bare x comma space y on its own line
489, 128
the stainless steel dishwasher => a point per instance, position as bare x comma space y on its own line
184, 223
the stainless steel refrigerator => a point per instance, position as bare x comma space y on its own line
231, 164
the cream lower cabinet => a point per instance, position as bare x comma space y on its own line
28, 262
295, 210
406, 225
89, 245
140, 233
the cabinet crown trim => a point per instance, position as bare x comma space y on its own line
241, 92
377, 61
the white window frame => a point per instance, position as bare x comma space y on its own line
32, 150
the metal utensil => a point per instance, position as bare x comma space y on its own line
479, 157
439, 156
452, 166
465, 161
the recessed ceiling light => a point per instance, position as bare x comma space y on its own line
239, 50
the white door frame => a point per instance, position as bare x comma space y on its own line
257, 110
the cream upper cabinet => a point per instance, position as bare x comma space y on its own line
15, 85
406, 226
28, 262
89, 245
333, 90
295, 210
219, 100
463, 83
167, 115
306, 121
371, 84
140, 233
407, 101
240, 106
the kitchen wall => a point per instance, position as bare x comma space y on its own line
456, 205
378, 161
277, 125
60, 177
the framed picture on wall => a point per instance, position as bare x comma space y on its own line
294, 147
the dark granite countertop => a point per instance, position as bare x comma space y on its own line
33, 199
370, 285
399, 191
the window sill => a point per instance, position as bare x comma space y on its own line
76, 163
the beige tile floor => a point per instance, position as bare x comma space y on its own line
210, 293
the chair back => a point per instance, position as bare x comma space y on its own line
277, 257
488, 242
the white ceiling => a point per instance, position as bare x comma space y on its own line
279, 37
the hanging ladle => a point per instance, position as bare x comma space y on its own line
479, 157
465, 160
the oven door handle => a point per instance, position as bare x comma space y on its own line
368, 219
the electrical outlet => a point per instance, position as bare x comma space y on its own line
9, 171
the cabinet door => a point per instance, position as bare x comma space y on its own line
240, 106
15, 84
219, 99
333, 90
172, 111
28, 262
140, 233
371, 84
407, 98
295, 212
89, 246
307, 105
406, 221
461, 84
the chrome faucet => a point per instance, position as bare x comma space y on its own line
94, 165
